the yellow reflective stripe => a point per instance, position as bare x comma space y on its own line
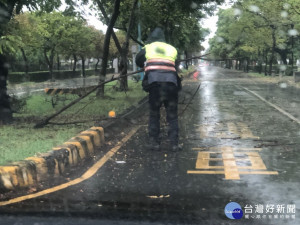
169, 68
161, 61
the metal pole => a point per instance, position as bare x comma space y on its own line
292, 50
140, 35
133, 64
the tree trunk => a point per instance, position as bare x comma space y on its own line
83, 66
97, 63
107, 22
259, 62
290, 60
186, 62
266, 65
260, 68
124, 60
109, 30
49, 61
51, 65
123, 81
273, 51
5, 110
283, 54
25, 61
247, 65
58, 61
88, 63
75, 63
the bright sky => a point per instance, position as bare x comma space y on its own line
96, 23
211, 23
93, 20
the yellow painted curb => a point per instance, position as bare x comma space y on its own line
33, 170
61, 91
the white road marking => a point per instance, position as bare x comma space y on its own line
274, 106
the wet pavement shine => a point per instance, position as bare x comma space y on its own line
236, 148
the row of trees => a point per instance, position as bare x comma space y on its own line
259, 32
40, 38
180, 19
57, 34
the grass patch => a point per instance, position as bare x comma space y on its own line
41, 105
20, 140
275, 79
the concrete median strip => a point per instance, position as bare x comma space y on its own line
33, 170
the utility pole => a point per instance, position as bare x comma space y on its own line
140, 35
134, 52
292, 25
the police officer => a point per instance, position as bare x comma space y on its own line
162, 82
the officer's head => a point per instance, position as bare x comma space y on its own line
156, 35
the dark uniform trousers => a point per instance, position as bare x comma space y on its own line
167, 94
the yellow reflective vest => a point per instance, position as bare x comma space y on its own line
160, 64
160, 50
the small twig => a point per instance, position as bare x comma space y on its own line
191, 99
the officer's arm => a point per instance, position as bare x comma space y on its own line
140, 58
177, 64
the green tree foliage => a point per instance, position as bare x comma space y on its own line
50, 30
180, 19
23, 27
257, 30
54, 34
8, 8
98, 41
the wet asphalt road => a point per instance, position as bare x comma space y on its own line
236, 148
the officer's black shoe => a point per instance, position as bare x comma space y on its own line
153, 145
176, 148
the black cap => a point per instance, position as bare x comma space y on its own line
156, 35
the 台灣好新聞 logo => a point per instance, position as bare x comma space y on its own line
233, 211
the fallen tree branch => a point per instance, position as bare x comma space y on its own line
82, 121
45, 121
195, 57
190, 101
68, 123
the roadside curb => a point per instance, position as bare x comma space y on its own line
52, 164
55, 163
